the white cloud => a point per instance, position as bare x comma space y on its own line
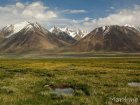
77, 11
19, 5
20, 12
73, 11
125, 16
87, 19
37, 11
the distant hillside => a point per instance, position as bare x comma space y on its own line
27, 36
62, 35
31, 37
110, 38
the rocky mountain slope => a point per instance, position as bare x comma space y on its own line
27, 36
32, 36
110, 38
62, 35
77, 34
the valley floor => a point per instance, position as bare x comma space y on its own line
93, 81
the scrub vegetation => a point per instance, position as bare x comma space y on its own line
94, 81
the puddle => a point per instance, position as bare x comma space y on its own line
68, 90
61, 89
134, 84
64, 91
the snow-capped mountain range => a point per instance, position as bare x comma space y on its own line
75, 33
32, 36
62, 35
12, 29
29, 36
111, 38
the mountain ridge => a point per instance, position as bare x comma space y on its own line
62, 35
32, 36
110, 38
77, 34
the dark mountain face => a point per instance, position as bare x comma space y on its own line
31, 37
63, 36
110, 38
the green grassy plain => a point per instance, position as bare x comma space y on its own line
94, 80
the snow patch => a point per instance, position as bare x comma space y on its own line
69, 31
97, 30
103, 28
36, 25
128, 25
106, 31
18, 27
29, 27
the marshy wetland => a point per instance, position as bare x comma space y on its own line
68, 81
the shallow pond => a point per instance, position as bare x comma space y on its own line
134, 84
63, 91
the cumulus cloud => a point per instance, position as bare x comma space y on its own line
125, 16
122, 17
20, 12
37, 11
19, 5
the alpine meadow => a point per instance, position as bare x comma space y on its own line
66, 52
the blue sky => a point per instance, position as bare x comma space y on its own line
94, 8
76, 11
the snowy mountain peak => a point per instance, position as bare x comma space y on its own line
128, 25
65, 29
15, 28
72, 32
105, 30
20, 26
55, 30
36, 25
